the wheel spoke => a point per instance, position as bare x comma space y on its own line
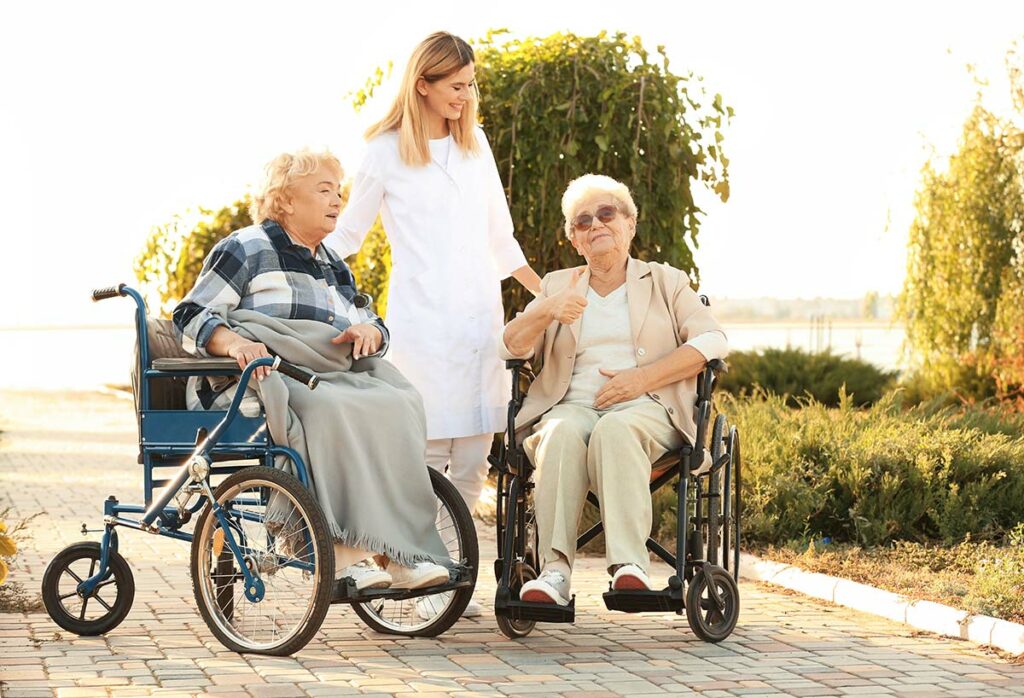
85, 602
105, 604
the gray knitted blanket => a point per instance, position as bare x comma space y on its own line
361, 433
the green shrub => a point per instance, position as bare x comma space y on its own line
796, 373
875, 475
870, 476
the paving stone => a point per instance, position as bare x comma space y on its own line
784, 644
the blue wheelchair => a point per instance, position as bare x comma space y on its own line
262, 559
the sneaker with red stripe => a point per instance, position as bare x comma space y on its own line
630, 578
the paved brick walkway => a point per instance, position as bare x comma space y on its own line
64, 455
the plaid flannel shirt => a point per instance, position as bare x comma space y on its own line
260, 268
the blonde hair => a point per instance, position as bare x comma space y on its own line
281, 173
583, 188
439, 55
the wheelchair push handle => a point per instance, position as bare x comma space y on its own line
99, 294
310, 380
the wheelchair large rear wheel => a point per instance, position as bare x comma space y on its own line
284, 540
103, 609
431, 615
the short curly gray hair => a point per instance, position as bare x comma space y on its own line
281, 173
583, 188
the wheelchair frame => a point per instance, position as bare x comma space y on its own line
191, 442
515, 472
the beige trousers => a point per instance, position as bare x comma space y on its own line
466, 459
577, 448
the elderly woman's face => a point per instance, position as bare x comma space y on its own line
313, 204
608, 238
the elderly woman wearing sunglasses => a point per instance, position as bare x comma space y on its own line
617, 345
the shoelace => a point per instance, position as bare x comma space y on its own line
552, 577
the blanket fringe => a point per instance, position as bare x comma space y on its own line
377, 545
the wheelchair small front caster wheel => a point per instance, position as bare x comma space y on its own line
515, 629
712, 611
98, 612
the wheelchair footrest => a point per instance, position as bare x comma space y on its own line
642, 601
540, 612
345, 590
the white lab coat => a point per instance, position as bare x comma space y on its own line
451, 240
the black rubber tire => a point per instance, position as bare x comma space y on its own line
324, 571
714, 506
120, 577
718, 436
515, 629
466, 532
705, 625
737, 502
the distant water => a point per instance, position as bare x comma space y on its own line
88, 358
878, 343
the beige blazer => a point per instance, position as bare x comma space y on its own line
664, 313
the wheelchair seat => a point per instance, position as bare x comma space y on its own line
665, 463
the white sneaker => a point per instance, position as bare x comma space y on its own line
422, 574
550, 587
630, 577
366, 575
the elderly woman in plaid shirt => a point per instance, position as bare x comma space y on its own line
279, 267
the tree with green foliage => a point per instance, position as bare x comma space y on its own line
966, 237
173, 256
554, 108
558, 107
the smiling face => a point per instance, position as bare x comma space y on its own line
312, 207
447, 97
608, 242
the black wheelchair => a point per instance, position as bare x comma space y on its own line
707, 556
262, 560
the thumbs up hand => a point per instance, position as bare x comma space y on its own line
567, 305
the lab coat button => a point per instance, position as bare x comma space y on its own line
641, 351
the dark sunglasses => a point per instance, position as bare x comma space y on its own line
585, 221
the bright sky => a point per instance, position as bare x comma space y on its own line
115, 116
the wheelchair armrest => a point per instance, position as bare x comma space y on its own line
513, 364
718, 366
191, 364
706, 378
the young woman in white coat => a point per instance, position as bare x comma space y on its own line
430, 174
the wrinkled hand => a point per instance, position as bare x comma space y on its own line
567, 305
365, 337
244, 352
623, 386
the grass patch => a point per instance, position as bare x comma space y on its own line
14, 597
978, 577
